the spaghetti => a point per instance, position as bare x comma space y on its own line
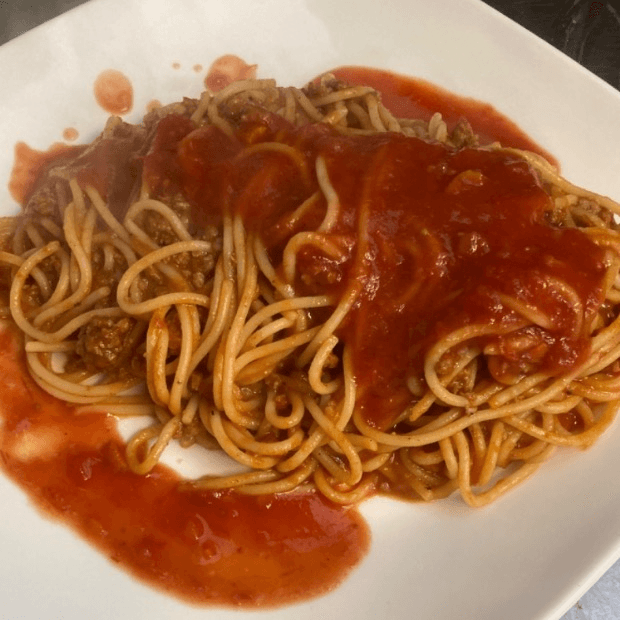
336, 298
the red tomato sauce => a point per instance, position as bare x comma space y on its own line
203, 547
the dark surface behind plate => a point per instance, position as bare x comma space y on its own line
588, 32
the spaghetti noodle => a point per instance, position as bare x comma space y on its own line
336, 298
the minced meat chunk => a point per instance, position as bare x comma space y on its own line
104, 342
463, 135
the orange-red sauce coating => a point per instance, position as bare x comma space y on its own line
204, 547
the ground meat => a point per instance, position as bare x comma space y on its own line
104, 342
107, 277
158, 229
463, 135
250, 103
195, 267
555, 217
180, 205
327, 84
589, 206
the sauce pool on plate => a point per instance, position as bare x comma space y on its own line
227, 69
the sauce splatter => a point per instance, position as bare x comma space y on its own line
203, 547
70, 134
228, 69
176, 65
114, 92
197, 68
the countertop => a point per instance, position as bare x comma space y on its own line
587, 31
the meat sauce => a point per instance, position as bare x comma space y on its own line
460, 207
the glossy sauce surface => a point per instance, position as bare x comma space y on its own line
204, 547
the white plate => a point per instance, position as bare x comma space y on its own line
530, 555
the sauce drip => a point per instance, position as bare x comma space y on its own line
114, 92
203, 547
70, 134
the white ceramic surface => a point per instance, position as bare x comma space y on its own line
530, 555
